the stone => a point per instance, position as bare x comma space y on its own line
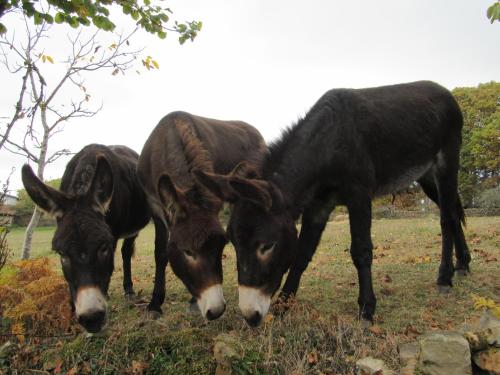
408, 357
226, 347
488, 360
490, 324
372, 366
444, 353
477, 340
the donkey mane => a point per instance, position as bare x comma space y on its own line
197, 157
294, 134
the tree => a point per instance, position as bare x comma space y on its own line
43, 106
25, 205
151, 17
493, 12
480, 164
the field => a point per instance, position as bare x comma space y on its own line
320, 333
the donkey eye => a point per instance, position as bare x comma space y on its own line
189, 253
267, 247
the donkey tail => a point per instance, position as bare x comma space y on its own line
461, 212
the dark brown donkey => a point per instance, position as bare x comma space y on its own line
352, 146
100, 201
188, 231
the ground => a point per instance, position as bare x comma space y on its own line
320, 333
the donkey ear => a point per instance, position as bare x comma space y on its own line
170, 195
244, 170
101, 189
48, 199
252, 190
217, 184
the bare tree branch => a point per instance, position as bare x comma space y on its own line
19, 109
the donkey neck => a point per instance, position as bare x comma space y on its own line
293, 163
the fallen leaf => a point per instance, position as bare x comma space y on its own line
312, 358
139, 367
376, 329
268, 318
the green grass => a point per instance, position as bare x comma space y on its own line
319, 334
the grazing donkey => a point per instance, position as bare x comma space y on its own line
352, 146
187, 228
100, 201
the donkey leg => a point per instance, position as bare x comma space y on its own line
128, 248
359, 207
314, 220
462, 254
161, 260
461, 249
446, 179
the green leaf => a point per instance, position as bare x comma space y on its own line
74, 23
38, 18
3, 29
48, 18
59, 17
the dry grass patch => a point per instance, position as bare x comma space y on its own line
320, 333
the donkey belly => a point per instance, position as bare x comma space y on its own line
403, 180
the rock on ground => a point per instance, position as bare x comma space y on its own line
226, 347
488, 360
408, 357
372, 366
444, 353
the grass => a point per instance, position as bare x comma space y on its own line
319, 335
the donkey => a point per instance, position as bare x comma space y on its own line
99, 202
352, 146
187, 228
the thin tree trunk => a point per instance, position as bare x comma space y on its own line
28, 235
35, 218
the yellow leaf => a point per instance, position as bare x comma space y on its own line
113, 46
157, 66
50, 59
268, 318
43, 58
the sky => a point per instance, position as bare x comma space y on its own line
267, 62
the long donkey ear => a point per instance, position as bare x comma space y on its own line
101, 189
219, 184
47, 198
171, 196
253, 190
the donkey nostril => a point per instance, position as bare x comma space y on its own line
254, 319
93, 321
214, 314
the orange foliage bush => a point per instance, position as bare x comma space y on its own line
35, 300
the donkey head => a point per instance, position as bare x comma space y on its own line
82, 237
196, 243
264, 236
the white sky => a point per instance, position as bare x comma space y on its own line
267, 62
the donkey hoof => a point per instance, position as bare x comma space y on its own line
129, 296
153, 315
461, 272
444, 289
365, 323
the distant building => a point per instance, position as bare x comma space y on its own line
7, 209
10, 200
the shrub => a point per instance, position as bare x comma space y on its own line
35, 300
490, 198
